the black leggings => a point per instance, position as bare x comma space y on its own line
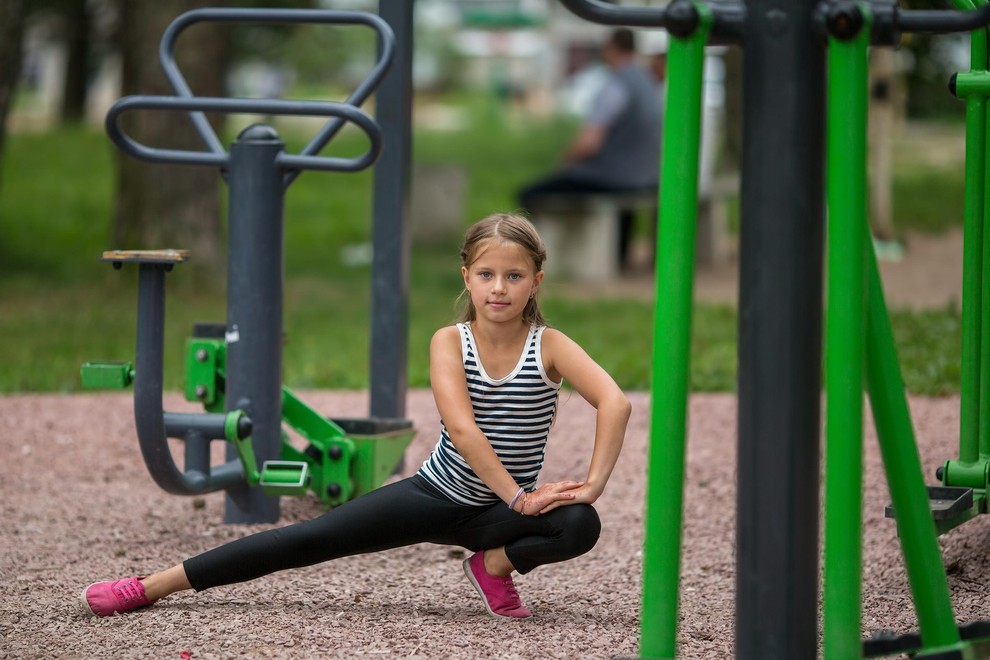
400, 514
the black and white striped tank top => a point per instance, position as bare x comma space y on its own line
514, 412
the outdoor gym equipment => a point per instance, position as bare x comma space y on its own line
782, 236
234, 369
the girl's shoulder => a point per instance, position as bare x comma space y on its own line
555, 345
449, 334
445, 347
553, 335
552, 343
448, 330
553, 340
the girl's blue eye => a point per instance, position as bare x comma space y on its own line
514, 276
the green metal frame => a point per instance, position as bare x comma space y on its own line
860, 350
678, 210
106, 375
206, 366
972, 468
859, 342
337, 465
844, 339
344, 458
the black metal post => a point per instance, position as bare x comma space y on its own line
153, 425
149, 365
254, 307
390, 228
780, 318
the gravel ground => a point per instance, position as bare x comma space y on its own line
81, 506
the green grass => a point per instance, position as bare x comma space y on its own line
928, 200
928, 345
59, 306
55, 195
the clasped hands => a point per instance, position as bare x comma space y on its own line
552, 495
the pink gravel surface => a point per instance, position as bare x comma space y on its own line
80, 506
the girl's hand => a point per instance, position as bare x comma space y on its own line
549, 496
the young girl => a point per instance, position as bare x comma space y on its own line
495, 378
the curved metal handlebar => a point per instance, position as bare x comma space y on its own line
679, 17
941, 21
844, 19
597, 11
201, 104
216, 154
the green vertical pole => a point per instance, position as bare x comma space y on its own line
844, 336
678, 211
983, 407
973, 218
979, 61
902, 465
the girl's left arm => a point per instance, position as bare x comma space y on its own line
564, 358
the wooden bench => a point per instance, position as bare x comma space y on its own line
581, 232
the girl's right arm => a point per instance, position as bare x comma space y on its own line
450, 392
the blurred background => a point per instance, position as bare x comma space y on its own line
499, 88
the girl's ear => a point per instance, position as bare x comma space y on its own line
464, 274
537, 281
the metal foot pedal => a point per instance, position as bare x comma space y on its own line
975, 635
946, 502
107, 375
284, 477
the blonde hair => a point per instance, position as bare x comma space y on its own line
504, 228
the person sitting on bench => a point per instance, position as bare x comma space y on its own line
617, 149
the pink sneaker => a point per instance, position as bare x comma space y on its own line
498, 593
116, 597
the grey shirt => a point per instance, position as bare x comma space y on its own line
628, 108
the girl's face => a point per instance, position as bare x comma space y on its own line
501, 280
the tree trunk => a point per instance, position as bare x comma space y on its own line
77, 22
168, 206
11, 33
732, 126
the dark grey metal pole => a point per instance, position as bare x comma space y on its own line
780, 317
254, 307
390, 230
149, 365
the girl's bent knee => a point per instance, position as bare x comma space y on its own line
582, 527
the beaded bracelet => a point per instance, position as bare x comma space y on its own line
512, 504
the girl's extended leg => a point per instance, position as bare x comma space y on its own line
399, 514
395, 515
167, 582
532, 540
404, 513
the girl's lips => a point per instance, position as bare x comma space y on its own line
497, 304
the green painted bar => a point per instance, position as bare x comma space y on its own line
978, 58
973, 238
845, 345
902, 465
678, 210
